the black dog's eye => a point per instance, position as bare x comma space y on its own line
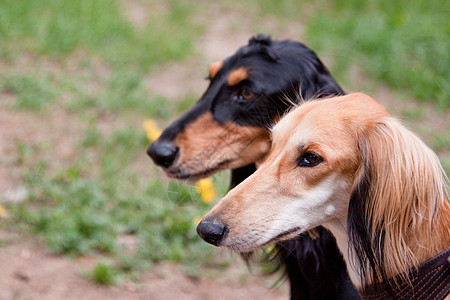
245, 94
309, 159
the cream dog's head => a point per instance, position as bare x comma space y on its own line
305, 181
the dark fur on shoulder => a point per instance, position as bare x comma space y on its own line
311, 266
228, 128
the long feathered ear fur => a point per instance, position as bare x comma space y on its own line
398, 213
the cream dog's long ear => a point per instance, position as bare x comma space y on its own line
398, 191
376, 201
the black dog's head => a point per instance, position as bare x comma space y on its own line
228, 127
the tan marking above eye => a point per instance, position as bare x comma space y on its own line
214, 68
237, 76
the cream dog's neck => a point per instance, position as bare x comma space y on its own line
338, 227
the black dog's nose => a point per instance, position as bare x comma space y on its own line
212, 232
163, 153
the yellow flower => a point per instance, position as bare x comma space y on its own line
153, 132
206, 190
3, 212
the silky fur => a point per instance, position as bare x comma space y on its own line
407, 213
378, 182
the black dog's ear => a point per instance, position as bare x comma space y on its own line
261, 39
240, 174
264, 42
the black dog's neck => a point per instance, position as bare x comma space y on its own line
240, 174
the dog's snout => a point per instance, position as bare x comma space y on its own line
212, 232
163, 153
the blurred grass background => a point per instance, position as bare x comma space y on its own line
80, 70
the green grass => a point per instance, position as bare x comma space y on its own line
57, 28
441, 141
31, 92
82, 208
119, 92
103, 273
282, 10
414, 114
87, 58
401, 43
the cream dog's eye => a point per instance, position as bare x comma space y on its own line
309, 159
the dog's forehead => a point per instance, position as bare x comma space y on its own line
327, 117
247, 57
289, 129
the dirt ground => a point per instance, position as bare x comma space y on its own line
28, 272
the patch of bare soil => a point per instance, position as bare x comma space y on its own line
57, 130
174, 81
27, 272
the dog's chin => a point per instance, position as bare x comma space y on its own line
189, 177
248, 248
194, 175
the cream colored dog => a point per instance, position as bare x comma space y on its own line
348, 165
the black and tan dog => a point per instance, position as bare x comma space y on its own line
228, 128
